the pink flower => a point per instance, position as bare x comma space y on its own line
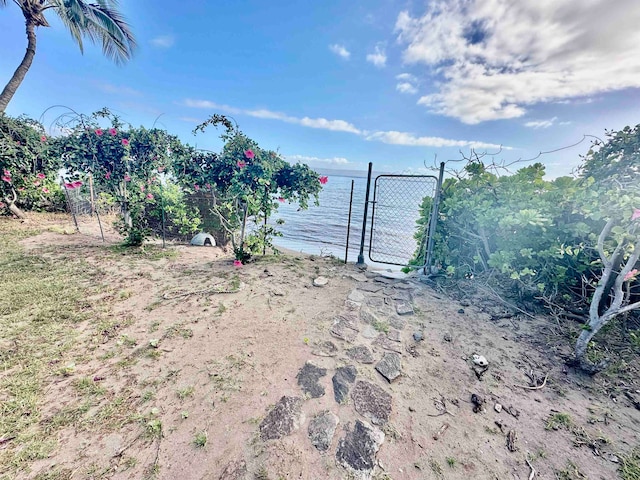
45, 190
21, 189
323, 179
142, 188
99, 131
208, 185
196, 188
125, 142
36, 183
249, 154
43, 138
18, 144
107, 175
113, 132
241, 163
631, 275
6, 173
281, 199
636, 214
7, 179
69, 186
2, 205
149, 196
127, 178
161, 168
41, 176
237, 263
77, 184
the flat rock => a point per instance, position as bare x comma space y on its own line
360, 353
394, 335
367, 316
320, 281
371, 402
358, 277
308, 377
369, 332
342, 381
384, 342
390, 367
356, 296
350, 317
285, 417
397, 322
375, 302
325, 349
352, 306
418, 336
393, 275
343, 330
357, 450
403, 308
321, 430
369, 287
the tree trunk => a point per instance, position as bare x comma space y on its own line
18, 76
13, 208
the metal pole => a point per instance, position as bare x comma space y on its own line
93, 200
346, 251
433, 221
66, 192
364, 221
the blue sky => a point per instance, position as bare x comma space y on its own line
340, 83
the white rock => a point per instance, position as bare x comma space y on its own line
320, 281
498, 407
479, 360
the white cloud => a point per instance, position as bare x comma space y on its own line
378, 57
325, 161
164, 41
541, 123
406, 87
407, 83
389, 137
340, 50
321, 123
408, 139
118, 89
494, 58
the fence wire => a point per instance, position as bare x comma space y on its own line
396, 209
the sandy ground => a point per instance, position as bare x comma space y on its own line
180, 357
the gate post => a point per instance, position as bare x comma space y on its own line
364, 221
433, 222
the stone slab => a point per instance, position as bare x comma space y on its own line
369, 332
403, 308
308, 377
342, 330
372, 402
369, 287
390, 367
342, 381
321, 430
384, 342
394, 335
360, 353
397, 322
325, 349
357, 450
356, 296
285, 417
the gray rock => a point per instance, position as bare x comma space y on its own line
447, 337
325, 349
285, 417
367, 316
394, 335
360, 353
397, 322
418, 336
369, 287
358, 277
479, 360
350, 317
356, 296
384, 342
344, 331
371, 402
393, 275
375, 302
390, 367
357, 450
369, 332
320, 281
321, 430
352, 306
308, 377
403, 308
342, 381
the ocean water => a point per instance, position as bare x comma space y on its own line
322, 230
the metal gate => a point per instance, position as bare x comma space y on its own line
395, 210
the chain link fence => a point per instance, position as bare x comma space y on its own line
397, 201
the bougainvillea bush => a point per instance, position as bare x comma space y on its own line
28, 168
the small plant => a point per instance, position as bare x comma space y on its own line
380, 326
630, 465
185, 392
435, 467
153, 428
200, 440
451, 462
558, 420
148, 395
184, 414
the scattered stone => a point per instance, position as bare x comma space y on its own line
325, 349
285, 417
320, 281
367, 316
403, 308
360, 353
234, 471
465, 303
372, 402
394, 335
357, 450
369, 287
369, 332
154, 342
343, 330
383, 342
512, 411
393, 275
461, 310
358, 277
390, 367
402, 296
497, 407
397, 322
321, 430
352, 306
342, 381
356, 296
418, 336
375, 302
447, 337
479, 360
512, 436
277, 292
478, 403
350, 317
308, 377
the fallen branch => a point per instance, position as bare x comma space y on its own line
527, 387
533, 471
